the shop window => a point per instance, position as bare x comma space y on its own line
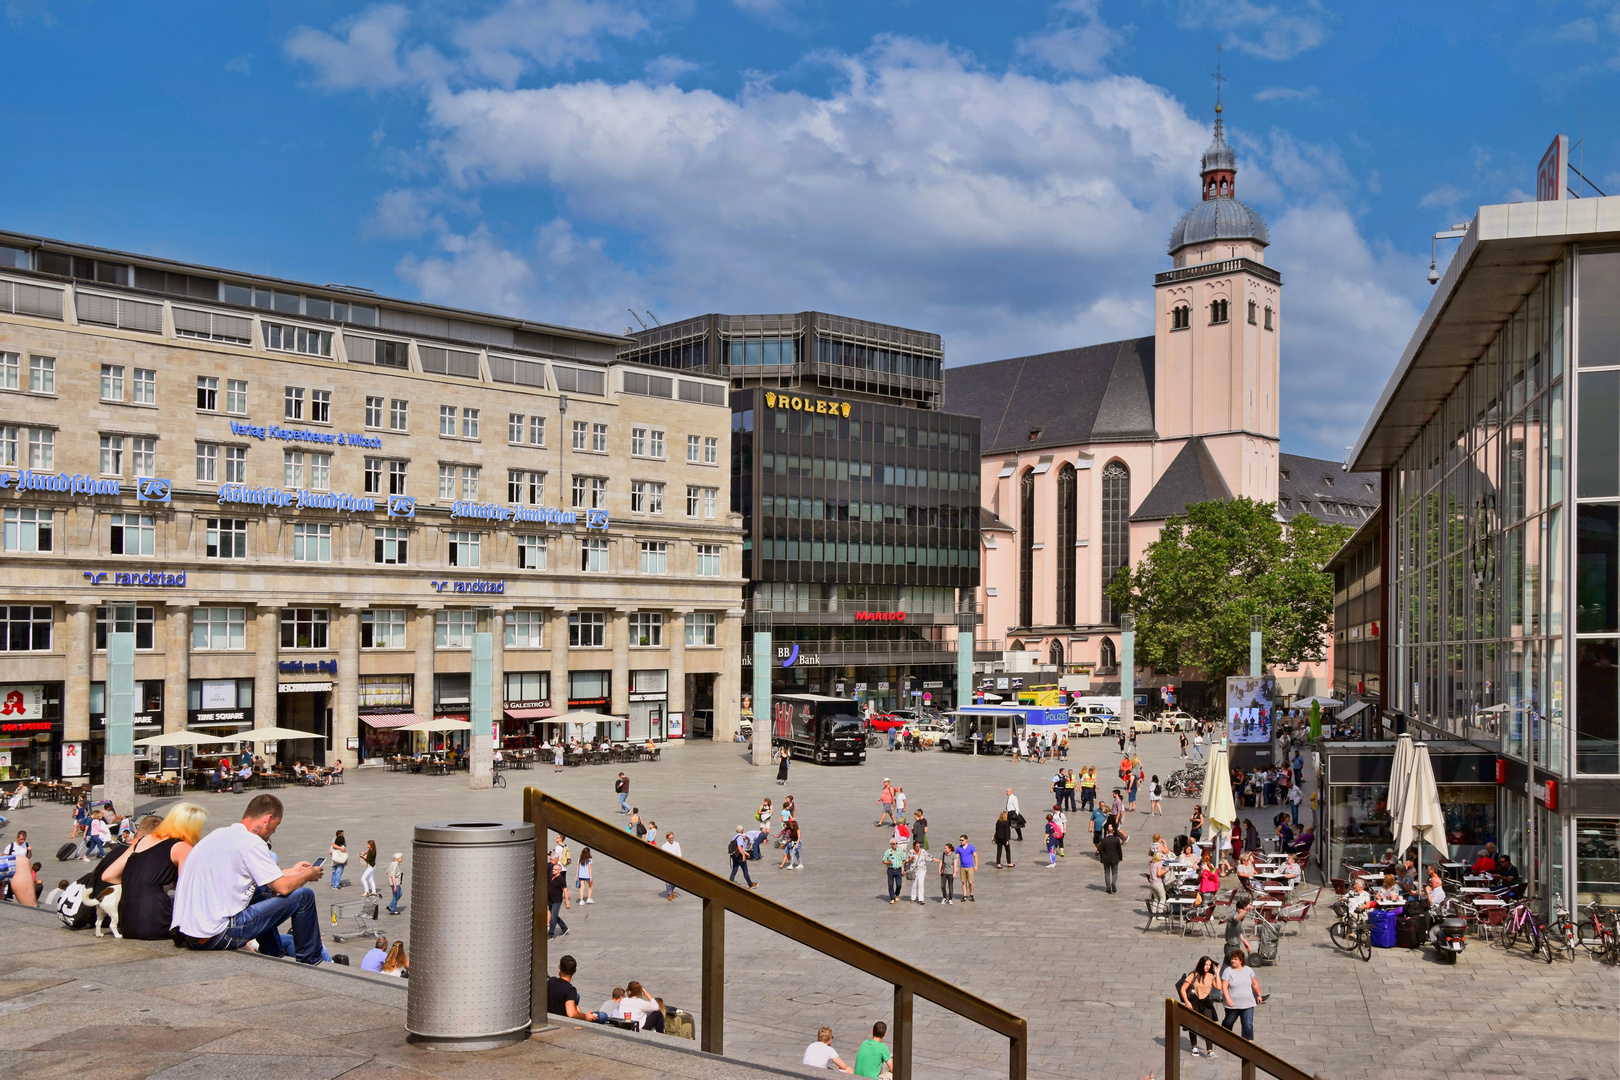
384, 691
452, 690
527, 686
1597, 861
591, 686
122, 619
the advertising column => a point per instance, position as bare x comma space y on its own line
480, 767
118, 766
497, 671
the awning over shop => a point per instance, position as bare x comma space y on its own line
531, 714
392, 720
1352, 710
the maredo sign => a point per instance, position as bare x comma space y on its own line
880, 616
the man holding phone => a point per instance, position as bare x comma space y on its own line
231, 892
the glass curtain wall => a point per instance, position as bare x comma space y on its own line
1476, 568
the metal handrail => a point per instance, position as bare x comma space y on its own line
1251, 1057
549, 814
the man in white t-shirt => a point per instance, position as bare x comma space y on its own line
821, 1055
670, 845
231, 891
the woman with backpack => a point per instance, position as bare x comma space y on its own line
1155, 797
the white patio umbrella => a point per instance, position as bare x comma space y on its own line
182, 738
275, 734
1421, 820
1400, 778
439, 724
1325, 702
1220, 811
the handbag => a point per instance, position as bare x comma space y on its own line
340, 858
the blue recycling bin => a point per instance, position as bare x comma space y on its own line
1381, 921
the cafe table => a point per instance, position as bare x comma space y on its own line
1178, 910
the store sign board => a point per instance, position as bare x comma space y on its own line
303, 435
880, 616
798, 403
219, 694
304, 688
152, 579
25, 701
73, 759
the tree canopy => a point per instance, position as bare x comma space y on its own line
1197, 585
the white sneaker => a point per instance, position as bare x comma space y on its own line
1210, 1053
1197, 1052
590, 901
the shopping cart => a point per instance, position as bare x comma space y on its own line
357, 919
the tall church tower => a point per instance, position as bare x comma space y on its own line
1218, 317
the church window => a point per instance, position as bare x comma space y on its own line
1066, 505
1116, 528
1054, 654
1107, 658
1218, 312
1180, 317
1252, 309
1269, 325
1026, 549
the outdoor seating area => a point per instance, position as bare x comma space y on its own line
441, 764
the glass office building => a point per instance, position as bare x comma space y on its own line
859, 497
1498, 438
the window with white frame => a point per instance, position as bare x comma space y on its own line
531, 552
374, 411
42, 374
587, 629
11, 372
694, 449
447, 481
514, 427
710, 499
646, 442
469, 482
525, 630
447, 421
304, 628
537, 431
41, 449
453, 628
29, 528
208, 462
702, 629
399, 414
396, 477
646, 497
226, 538
593, 555
126, 619
312, 543
701, 500
320, 471
320, 406
143, 389
708, 560
112, 380
131, 534
464, 548
112, 455
523, 485
143, 456
236, 464
217, 628
382, 628
292, 468
646, 629
297, 339
8, 445
27, 628
292, 403
654, 557
598, 493
371, 476
580, 429
236, 395
711, 450
599, 438
207, 393
388, 545
469, 423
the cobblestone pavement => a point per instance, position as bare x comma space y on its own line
1047, 944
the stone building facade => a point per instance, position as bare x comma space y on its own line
304, 501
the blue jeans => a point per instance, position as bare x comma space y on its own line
624, 803
337, 875
260, 919
895, 880
557, 924
794, 851
393, 907
740, 863
95, 846
759, 842
1246, 1015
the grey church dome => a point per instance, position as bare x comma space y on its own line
1218, 219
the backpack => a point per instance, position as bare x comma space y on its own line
75, 913
734, 846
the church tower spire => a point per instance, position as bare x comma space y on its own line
1219, 166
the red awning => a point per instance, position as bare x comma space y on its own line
391, 720
530, 714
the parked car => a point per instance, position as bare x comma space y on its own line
885, 721
1144, 725
1176, 720
1082, 725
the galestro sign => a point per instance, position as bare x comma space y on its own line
806, 404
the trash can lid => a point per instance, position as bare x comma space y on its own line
475, 832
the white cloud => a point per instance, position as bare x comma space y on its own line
240, 65
366, 58
1277, 31
1285, 93
1577, 30
1443, 195
1077, 41
547, 33
403, 212
474, 272
669, 68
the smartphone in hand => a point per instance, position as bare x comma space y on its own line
318, 863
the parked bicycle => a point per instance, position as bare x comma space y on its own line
1562, 931
1522, 923
1598, 932
1351, 933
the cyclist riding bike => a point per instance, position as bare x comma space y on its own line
1357, 902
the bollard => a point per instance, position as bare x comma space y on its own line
472, 918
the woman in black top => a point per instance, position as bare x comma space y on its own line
1003, 836
148, 870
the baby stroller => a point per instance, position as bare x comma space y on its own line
1267, 939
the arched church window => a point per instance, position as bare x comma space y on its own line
1106, 657
1116, 528
1180, 317
1269, 325
1253, 309
1026, 549
1066, 506
1218, 311
1055, 653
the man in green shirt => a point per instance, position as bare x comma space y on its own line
893, 861
872, 1059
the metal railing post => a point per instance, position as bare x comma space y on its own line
540, 972
714, 976
901, 1066
1248, 1070
1017, 1057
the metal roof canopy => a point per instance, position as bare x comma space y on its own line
1504, 254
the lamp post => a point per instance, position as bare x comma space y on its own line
1127, 669
1254, 645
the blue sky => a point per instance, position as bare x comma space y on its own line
1003, 173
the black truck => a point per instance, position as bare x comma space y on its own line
826, 730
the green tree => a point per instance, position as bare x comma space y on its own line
1209, 571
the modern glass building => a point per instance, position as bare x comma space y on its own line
1498, 440
860, 497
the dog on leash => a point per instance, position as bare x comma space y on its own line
106, 905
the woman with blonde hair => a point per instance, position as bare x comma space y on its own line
148, 870
396, 963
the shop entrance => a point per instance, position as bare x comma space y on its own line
700, 705
303, 712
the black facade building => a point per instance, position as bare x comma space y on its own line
860, 497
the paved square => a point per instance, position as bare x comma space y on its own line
1047, 944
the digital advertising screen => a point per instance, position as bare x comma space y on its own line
1250, 708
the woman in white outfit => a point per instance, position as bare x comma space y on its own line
917, 871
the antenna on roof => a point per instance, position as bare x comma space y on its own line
636, 317
653, 317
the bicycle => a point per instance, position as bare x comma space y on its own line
1522, 922
1350, 933
1564, 935
1604, 944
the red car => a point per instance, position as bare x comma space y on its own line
886, 722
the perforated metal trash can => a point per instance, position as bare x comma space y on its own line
472, 920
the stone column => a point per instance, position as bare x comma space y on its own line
481, 747
177, 673
728, 685
497, 628
619, 639
346, 686
267, 645
675, 632
76, 689
559, 660
422, 642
